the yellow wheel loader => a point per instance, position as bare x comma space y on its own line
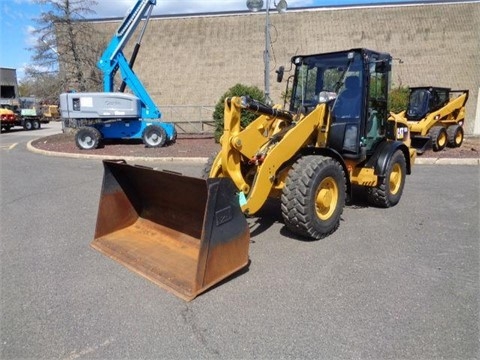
186, 234
435, 116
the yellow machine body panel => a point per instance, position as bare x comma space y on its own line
452, 113
50, 111
435, 117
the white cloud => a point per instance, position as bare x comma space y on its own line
30, 38
21, 71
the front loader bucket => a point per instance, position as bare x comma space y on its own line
421, 143
185, 234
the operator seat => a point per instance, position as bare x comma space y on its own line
348, 102
344, 130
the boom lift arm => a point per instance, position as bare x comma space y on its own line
113, 58
112, 114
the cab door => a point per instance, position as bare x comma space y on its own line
377, 101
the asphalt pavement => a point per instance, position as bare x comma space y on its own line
398, 283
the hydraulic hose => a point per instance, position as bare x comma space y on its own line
259, 108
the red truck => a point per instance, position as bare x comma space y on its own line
9, 119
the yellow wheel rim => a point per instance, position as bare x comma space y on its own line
395, 178
458, 138
442, 139
327, 198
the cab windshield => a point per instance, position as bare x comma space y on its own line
335, 74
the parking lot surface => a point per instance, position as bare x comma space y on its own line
398, 283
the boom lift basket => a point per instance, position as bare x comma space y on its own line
185, 234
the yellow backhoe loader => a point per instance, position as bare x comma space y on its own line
186, 234
435, 116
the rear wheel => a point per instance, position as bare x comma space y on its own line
438, 134
389, 190
154, 136
35, 124
314, 196
87, 138
455, 136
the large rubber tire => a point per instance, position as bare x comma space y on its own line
389, 190
438, 134
36, 124
455, 136
87, 138
208, 166
27, 125
313, 197
154, 136
174, 138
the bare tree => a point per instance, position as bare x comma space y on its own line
44, 86
66, 45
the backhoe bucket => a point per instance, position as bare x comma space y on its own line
185, 234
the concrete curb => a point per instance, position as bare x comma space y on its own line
447, 161
418, 161
33, 149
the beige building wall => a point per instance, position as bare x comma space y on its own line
193, 60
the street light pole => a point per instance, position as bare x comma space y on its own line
266, 55
256, 5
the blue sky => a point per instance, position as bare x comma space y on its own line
17, 19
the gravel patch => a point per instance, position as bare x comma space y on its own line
193, 146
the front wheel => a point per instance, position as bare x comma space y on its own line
213, 161
438, 134
27, 125
314, 196
87, 138
389, 190
154, 136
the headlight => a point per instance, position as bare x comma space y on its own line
326, 96
298, 60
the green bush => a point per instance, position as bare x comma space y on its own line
398, 99
246, 117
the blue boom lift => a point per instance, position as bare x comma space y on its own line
117, 115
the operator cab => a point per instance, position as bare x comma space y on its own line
354, 84
424, 100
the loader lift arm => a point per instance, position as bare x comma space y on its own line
276, 132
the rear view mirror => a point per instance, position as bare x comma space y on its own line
382, 67
280, 72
